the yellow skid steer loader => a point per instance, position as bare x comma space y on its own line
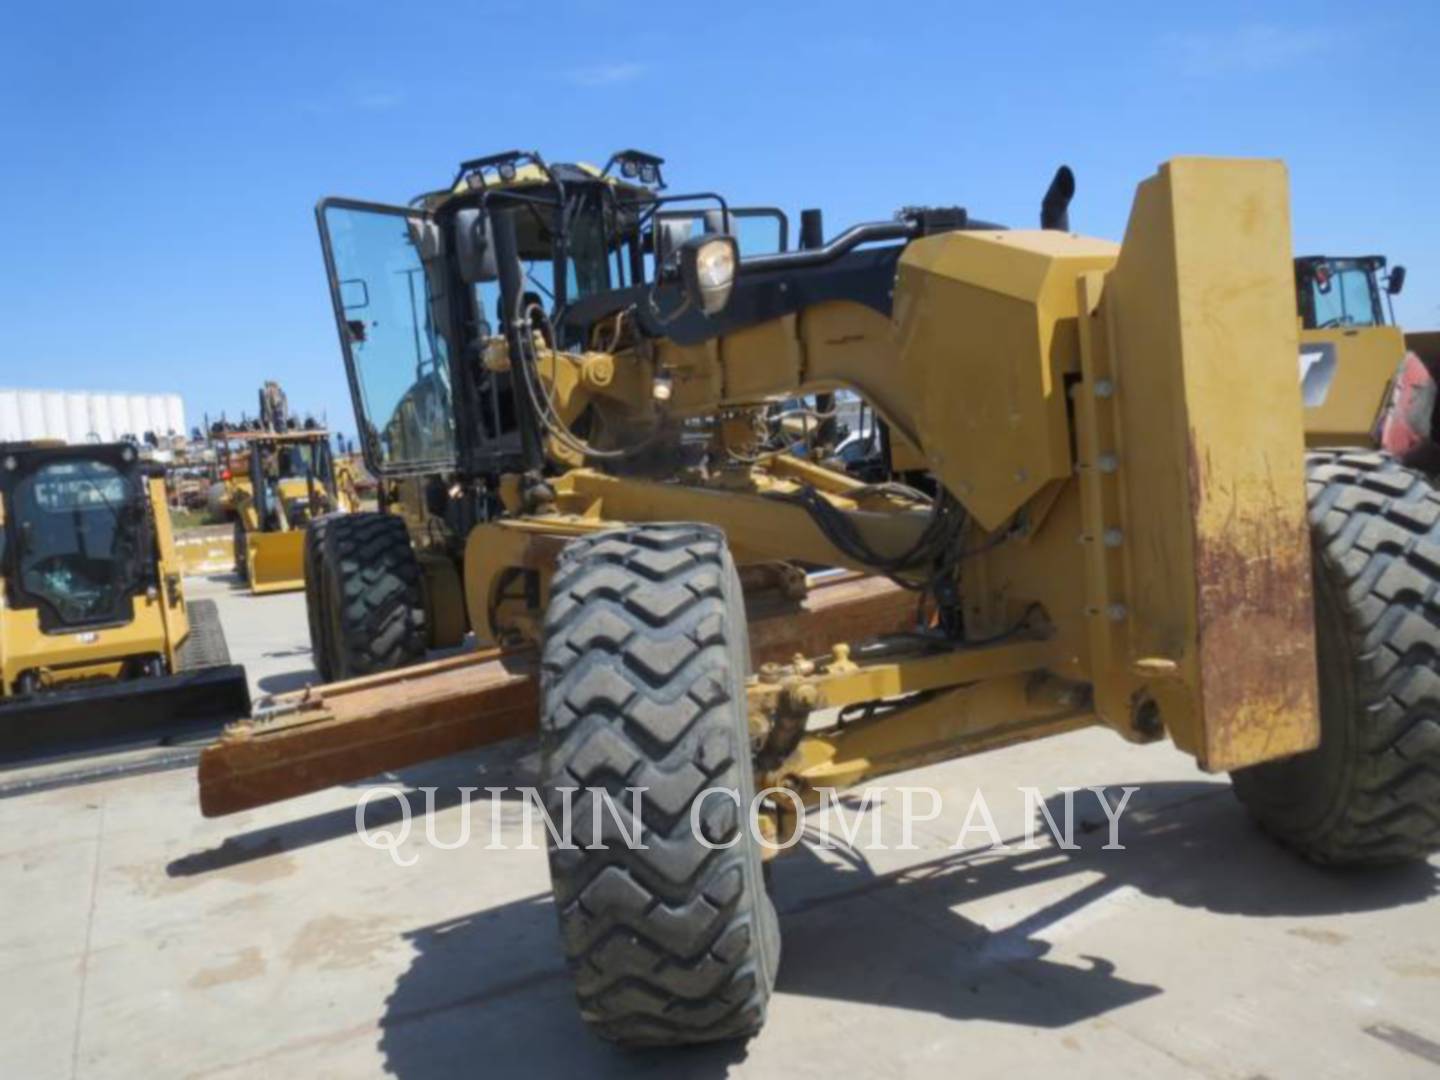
97, 641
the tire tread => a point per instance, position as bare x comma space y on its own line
677, 943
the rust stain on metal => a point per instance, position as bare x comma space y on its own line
1254, 621
849, 609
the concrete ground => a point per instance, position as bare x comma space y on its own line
138, 939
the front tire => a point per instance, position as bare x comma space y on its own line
643, 685
317, 614
373, 601
1371, 792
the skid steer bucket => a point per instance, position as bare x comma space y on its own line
276, 561
95, 714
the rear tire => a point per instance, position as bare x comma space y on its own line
373, 600
316, 613
205, 645
1371, 792
643, 685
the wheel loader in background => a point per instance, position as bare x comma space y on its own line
290, 479
1365, 381
561, 376
97, 641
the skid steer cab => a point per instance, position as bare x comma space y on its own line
289, 479
97, 641
563, 377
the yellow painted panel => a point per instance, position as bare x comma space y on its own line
986, 326
1365, 360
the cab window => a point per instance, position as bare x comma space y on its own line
1345, 297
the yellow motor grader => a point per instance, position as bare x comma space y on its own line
561, 376
290, 480
97, 641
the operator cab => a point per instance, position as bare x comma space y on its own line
420, 292
1336, 293
294, 473
75, 539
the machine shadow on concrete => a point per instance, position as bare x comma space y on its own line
491, 987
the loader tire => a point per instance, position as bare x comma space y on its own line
315, 611
643, 675
1371, 792
242, 561
205, 645
373, 598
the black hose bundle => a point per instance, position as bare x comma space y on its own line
932, 555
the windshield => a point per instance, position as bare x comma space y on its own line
1344, 295
388, 302
76, 527
292, 461
595, 253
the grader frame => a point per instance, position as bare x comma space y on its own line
1114, 478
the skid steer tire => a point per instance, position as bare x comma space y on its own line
1371, 792
373, 598
315, 610
242, 545
643, 686
205, 645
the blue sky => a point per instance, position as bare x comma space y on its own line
160, 164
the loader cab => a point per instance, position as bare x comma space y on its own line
1350, 347
293, 479
1345, 292
76, 539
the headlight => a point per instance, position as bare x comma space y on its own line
707, 266
715, 265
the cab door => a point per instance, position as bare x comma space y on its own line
387, 286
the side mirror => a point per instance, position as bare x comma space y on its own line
1395, 280
354, 294
707, 270
670, 235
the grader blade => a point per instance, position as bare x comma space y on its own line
327, 735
